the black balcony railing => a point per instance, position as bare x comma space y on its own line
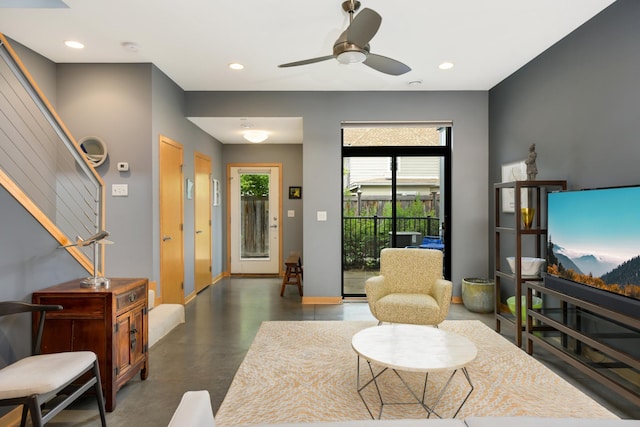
365, 236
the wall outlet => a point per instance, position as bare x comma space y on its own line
120, 190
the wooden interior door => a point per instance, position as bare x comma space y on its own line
171, 222
202, 221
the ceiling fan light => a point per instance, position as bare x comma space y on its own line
351, 57
256, 135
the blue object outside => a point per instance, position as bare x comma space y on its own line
431, 243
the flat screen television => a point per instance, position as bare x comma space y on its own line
593, 246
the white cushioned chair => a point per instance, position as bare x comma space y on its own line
35, 380
194, 410
410, 287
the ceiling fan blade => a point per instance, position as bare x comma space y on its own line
306, 61
364, 26
386, 65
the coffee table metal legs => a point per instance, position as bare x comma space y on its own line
419, 400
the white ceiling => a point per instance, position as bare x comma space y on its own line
281, 130
193, 41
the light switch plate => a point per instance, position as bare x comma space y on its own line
291, 213
120, 190
321, 215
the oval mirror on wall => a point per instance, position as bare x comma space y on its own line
95, 149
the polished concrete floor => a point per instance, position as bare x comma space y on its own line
206, 351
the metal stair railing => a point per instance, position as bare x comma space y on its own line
42, 166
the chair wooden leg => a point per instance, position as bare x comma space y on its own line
284, 281
99, 396
299, 280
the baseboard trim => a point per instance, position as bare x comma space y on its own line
321, 300
456, 300
190, 297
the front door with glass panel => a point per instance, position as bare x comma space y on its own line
254, 219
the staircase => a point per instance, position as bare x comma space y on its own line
43, 167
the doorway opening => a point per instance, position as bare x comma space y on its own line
395, 193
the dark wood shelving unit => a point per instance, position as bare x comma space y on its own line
601, 343
531, 240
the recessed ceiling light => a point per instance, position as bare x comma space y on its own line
236, 66
73, 44
446, 66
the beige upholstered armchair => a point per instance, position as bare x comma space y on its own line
410, 287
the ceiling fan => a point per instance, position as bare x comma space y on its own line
353, 44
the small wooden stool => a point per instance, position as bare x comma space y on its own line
293, 273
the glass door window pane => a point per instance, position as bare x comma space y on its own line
366, 219
254, 229
418, 204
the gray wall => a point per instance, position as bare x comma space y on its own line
130, 106
290, 155
579, 102
41, 69
322, 113
30, 259
112, 101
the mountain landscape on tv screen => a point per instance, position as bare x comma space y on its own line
584, 264
619, 277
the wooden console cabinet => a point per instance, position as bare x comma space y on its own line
110, 321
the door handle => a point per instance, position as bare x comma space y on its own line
165, 238
198, 231
274, 226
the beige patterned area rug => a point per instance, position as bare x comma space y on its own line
306, 371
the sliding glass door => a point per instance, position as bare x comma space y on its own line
394, 195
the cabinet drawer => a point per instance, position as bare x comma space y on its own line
130, 297
80, 307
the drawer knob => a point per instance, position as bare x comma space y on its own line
132, 297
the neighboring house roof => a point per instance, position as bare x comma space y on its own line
391, 136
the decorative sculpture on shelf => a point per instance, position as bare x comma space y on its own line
532, 169
98, 238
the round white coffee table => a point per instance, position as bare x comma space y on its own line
413, 348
